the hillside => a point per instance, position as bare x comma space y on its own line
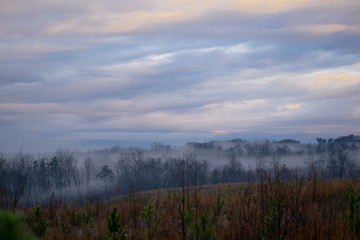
271, 209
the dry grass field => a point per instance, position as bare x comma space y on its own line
271, 209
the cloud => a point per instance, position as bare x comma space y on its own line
289, 107
74, 71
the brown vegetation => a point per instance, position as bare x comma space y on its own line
269, 209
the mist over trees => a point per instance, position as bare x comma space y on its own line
28, 179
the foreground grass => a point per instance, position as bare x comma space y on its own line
327, 209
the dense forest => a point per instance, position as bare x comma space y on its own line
213, 190
79, 176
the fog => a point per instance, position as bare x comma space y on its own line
80, 176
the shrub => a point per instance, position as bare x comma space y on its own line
37, 225
115, 230
148, 215
11, 227
354, 209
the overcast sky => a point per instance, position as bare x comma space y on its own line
87, 74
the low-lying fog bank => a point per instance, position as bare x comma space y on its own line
82, 176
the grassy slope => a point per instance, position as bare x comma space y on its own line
269, 210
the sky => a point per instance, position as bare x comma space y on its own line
88, 74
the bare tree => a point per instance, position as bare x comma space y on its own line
19, 172
105, 175
88, 170
339, 161
4, 196
68, 165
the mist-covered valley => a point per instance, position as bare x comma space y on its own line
78, 177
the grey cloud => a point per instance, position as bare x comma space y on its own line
88, 75
345, 94
21, 72
276, 29
38, 13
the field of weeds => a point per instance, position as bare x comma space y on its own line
269, 209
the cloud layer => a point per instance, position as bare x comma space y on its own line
132, 72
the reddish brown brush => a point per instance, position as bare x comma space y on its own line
270, 209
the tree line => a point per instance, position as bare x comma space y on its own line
27, 179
